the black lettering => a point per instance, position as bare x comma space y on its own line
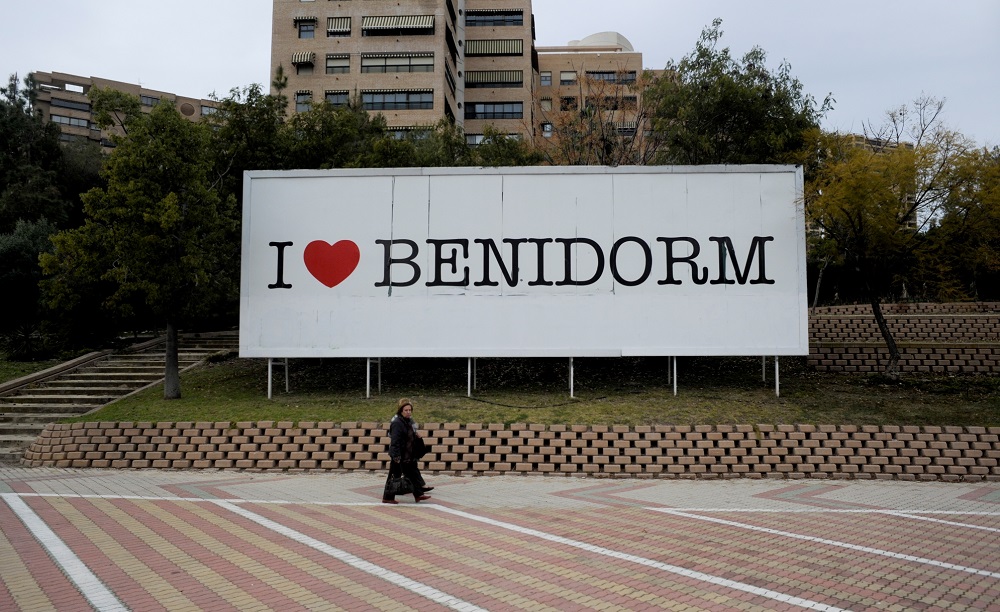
726, 248
510, 275
671, 260
280, 283
569, 242
389, 261
647, 261
540, 242
439, 259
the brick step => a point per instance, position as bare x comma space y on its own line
19, 431
32, 418
92, 383
63, 410
36, 398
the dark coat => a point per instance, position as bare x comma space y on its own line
402, 439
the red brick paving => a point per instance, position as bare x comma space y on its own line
169, 553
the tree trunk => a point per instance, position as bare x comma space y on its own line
171, 374
892, 368
819, 281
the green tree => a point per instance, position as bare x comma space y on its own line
248, 133
159, 236
710, 108
874, 196
960, 259
40, 182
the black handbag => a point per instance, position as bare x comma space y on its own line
419, 448
400, 485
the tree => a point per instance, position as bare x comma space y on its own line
610, 129
248, 133
498, 149
875, 195
960, 258
159, 236
710, 108
40, 182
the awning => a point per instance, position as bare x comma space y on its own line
627, 125
494, 12
298, 19
514, 46
393, 22
374, 55
301, 92
494, 76
338, 24
372, 91
338, 56
305, 57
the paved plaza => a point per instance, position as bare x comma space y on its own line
224, 540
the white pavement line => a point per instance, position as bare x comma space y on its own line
397, 579
90, 586
934, 520
865, 549
666, 567
830, 511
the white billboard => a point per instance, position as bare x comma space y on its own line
525, 262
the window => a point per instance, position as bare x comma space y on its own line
149, 100
81, 106
545, 104
613, 103
338, 64
303, 62
73, 121
398, 25
397, 100
547, 130
494, 47
307, 29
337, 98
473, 139
494, 110
397, 62
546, 78
494, 78
208, 110
567, 78
608, 76
303, 101
494, 17
568, 104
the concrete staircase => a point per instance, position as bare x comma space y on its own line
85, 384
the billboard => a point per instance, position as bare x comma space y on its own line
524, 262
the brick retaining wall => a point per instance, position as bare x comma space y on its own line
661, 451
956, 338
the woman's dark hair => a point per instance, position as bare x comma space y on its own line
403, 403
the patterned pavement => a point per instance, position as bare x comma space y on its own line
213, 540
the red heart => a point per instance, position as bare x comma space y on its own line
331, 264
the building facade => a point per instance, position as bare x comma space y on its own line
416, 61
62, 99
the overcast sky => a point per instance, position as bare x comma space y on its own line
872, 55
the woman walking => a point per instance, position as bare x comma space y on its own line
405, 448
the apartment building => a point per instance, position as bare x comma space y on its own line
415, 61
597, 73
62, 99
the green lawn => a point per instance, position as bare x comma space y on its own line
9, 370
608, 391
